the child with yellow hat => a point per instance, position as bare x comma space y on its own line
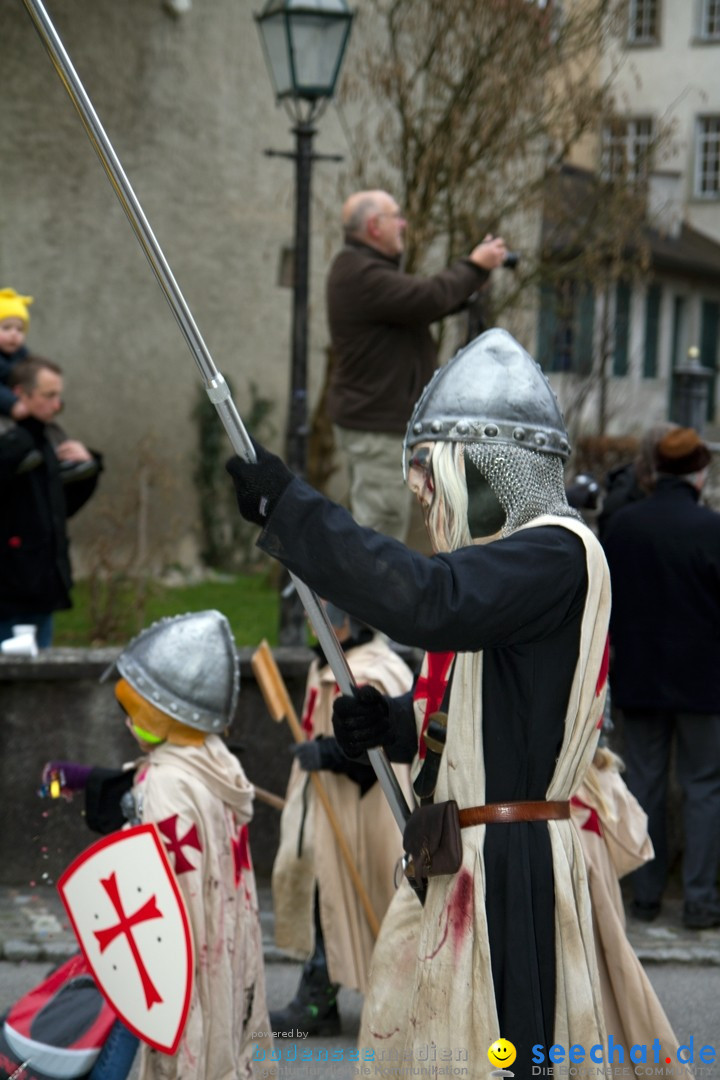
14, 322
76, 463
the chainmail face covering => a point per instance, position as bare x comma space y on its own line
527, 483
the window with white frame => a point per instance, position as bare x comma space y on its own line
707, 157
626, 148
644, 22
710, 20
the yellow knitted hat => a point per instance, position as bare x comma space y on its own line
149, 720
14, 306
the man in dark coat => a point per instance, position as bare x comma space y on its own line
384, 353
664, 558
41, 485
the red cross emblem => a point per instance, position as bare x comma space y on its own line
129, 916
125, 926
604, 668
592, 821
307, 719
174, 844
241, 853
431, 687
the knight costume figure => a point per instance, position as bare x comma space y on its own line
318, 911
513, 612
178, 689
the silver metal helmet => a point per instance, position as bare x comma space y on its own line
491, 392
187, 667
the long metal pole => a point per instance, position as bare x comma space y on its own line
297, 431
292, 621
215, 385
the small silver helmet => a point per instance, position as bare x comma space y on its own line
187, 667
490, 392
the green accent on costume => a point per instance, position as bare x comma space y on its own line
146, 736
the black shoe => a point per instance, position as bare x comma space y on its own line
313, 1010
307, 1018
701, 916
645, 912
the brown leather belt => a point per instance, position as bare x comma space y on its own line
495, 813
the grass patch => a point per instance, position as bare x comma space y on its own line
109, 613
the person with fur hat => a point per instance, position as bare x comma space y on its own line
178, 689
512, 610
14, 322
664, 558
319, 915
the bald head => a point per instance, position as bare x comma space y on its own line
374, 218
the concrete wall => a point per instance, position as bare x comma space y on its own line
188, 106
54, 707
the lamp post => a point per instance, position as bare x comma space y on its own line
304, 43
690, 390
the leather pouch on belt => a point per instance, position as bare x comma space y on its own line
432, 840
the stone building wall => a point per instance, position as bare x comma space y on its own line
188, 106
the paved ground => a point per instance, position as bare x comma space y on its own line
684, 966
34, 926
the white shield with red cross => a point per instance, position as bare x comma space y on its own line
130, 919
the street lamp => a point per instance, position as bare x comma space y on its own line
690, 389
304, 42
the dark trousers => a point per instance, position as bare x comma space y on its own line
648, 740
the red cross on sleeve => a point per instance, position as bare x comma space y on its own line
174, 844
241, 853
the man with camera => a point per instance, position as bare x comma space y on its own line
383, 351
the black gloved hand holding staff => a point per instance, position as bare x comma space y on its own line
258, 484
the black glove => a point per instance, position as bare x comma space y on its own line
324, 753
258, 487
308, 754
361, 722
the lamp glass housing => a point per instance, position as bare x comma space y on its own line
304, 43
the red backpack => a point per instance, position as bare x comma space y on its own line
57, 1030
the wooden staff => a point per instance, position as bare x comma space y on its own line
269, 797
280, 707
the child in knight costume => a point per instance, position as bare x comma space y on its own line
503, 946
614, 835
178, 689
318, 911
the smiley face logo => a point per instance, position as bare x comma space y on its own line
502, 1053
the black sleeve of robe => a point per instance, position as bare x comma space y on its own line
103, 793
510, 592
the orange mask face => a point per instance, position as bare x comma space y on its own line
150, 723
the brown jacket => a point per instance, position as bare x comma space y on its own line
379, 320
